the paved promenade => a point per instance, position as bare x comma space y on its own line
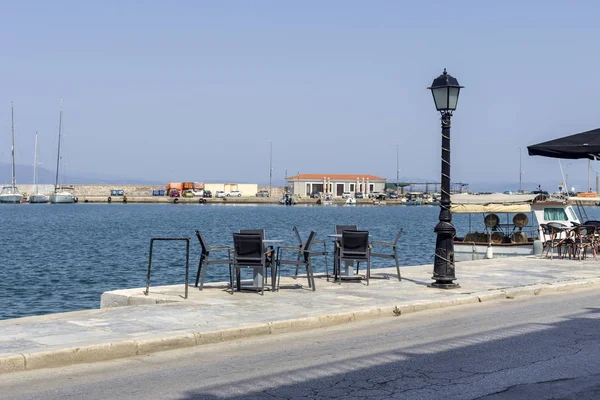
214, 315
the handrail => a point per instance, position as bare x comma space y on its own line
187, 262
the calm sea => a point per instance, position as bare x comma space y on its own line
58, 258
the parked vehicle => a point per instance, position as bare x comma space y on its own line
174, 186
220, 193
392, 195
207, 194
174, 193
188, 193
234, 193
359, 195
346, 195
316, 194
262, 193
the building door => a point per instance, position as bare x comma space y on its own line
339, 189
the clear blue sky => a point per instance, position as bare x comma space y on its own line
194, 90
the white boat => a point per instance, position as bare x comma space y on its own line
350, 201
10, 194
60, 196
288, 200
516, 236
37, 197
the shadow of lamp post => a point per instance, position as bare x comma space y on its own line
445, 90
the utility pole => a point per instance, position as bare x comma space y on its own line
270, 168
520, 171
397, 166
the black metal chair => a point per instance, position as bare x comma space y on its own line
317, 253
270, 250
354, 246
585, 238
338, 231
249, 253
303, 257
394, 251
205, 260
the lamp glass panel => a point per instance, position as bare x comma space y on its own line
440, 96
453, 97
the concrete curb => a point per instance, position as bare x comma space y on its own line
14, 362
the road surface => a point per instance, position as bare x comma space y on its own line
542, 347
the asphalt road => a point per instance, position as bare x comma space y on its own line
543, 347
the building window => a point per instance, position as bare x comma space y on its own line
308, 192
352, 187
371, 188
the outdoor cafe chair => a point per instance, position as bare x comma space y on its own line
353, 246
553, 239
301, 245
249, 253
303, 257
205, 259
339, 229
393, 254
268, 249
584, 238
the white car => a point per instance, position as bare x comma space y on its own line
235, 193
219, 193
346, 195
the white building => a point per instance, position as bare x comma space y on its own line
335, 184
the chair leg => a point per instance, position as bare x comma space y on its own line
278, 274
231, 277
397, 264
203, 275
368, 269
357, 266
199, 269
311, 277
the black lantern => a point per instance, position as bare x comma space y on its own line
445, 90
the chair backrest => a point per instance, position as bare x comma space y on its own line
260, 232
248, 248
202, 242
593, 222
339, 229
355, 242
309, 242
585, 230
298, 237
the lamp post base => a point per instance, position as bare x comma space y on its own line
443, 285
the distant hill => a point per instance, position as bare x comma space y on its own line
24, 175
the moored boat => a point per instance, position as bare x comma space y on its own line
516, 236
10, 194
60, 195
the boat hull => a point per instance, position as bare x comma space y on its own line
11, 198
477, 251
38, 199
62, 198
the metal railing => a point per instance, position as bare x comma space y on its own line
187, 262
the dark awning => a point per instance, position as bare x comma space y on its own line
579, 145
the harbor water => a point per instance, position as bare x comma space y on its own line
58, 258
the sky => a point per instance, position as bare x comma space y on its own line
195, 90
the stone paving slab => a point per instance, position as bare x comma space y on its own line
131, 323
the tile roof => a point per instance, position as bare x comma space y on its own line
337, 177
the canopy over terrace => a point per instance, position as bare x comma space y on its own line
579, 145
492, 203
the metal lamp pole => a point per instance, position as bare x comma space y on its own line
445, 90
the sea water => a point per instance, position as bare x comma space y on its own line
62, 257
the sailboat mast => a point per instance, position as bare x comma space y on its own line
35, 164
12, 150
57, 183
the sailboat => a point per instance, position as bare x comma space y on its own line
36, 197
60, 195
10, 194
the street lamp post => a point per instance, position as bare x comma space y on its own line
445, 90
567, 179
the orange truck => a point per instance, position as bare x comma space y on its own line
174, 189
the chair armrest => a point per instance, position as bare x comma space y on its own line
295, 248
319, 241
214, 248
378, 243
